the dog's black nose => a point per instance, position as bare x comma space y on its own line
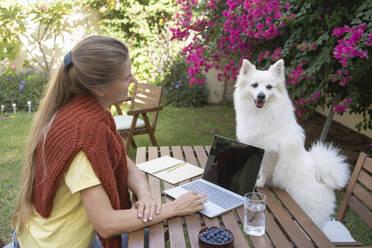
261, 96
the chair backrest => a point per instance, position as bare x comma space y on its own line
146, 96
358, 195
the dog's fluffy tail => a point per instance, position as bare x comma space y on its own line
331, 167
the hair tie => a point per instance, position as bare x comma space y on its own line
67, 59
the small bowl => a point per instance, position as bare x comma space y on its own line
206, 244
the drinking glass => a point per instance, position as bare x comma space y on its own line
254, 213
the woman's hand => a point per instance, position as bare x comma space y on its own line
146, 207
189, 203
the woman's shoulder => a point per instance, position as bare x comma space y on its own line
82, 110
82, 119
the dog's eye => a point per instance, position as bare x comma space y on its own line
269, 87
254, 85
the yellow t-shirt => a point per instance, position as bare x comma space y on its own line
68, 224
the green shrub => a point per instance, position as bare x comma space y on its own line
176, 89
20, 87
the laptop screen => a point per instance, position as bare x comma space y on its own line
233, 165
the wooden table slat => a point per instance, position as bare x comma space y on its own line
286, 223
156, 231
190, 156
211, 221
348, 244
192, 221
351, 246
141, 155
175, 229
230, 223
292, 229
136, 238
202, 155
304, 220
193, 227
272, 230
208, 148
177, 152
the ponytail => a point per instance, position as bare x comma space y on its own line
94, 62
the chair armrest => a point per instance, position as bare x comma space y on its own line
144, 110
126, 99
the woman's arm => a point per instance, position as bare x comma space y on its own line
137, 183
109, 222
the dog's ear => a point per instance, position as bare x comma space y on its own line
247, 67
278, 68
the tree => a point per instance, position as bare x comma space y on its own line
48, 20
326, 61
143, 25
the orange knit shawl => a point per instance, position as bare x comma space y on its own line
82, 125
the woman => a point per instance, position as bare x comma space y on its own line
76, 176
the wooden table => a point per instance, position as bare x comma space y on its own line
286, 223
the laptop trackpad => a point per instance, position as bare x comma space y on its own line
211, 210
175, 192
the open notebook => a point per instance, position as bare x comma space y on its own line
170, 169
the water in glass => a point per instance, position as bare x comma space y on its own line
254, 215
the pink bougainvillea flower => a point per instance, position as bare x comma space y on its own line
369, 41
339, 108
348, 101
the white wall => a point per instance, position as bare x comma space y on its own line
215, 88
79, 24
347, 119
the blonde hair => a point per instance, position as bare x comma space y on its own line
96, 62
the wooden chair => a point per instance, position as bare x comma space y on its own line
146, 98
358, 197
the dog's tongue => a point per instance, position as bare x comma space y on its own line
259, 104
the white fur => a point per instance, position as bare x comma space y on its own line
310, 177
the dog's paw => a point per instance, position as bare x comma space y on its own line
260, 183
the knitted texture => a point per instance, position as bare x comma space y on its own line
82, 125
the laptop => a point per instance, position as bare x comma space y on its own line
231, 171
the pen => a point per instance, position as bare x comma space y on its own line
175, 167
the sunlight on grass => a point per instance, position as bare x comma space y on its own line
13, 135
176, 126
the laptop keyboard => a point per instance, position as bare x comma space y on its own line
214, 195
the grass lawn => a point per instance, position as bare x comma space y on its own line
176, 126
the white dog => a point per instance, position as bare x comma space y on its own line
265, 118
